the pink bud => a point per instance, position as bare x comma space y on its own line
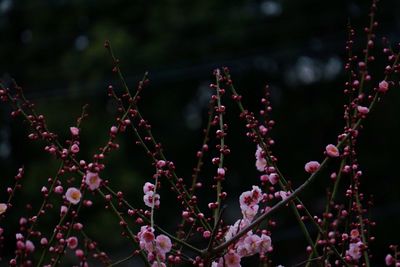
389, 260
206, 234
74, 131
311, 166
30, 247
362, 110
74, 148
79, 253
332, 151
160, 164
114, 130
221, 172
44, 241
58, 189
383, 86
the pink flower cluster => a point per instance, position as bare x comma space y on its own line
156, 247
250, 243
355, 246
150, 196
261, 162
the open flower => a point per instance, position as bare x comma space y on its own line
149, 197
93, 180
72, 242
163, 244
355, 250
332, 151
231, 259
73, 195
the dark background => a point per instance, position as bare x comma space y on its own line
54, 49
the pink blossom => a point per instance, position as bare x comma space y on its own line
161, 163
389, 260
362, 110
93, 180
148, 187
74, 131
263, 129
250, 198
114, 130
149, 197
29, 246
63, 209
19, 236
221, 172
44, 241
207, 234
332, 151
284, 194
311, 166
74, 148
59, 189
79, 253
261, 162
265, 244
249, 212
235, 228
355, 250
252, 244
3, 208
383, 86
72, 242
163, 244
73, 195
273, 178
354, 233
231, 259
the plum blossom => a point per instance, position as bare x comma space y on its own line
234, 229
230, 259
92, 180
149, 197
362, 110
265, 243
332, 151
355, 250
383, 86
72, 242
261, 162
284, 194
273, 178
29, 246
75, 148
252, 244
163, 244
156, 247
311, 166
148, 187
74, 131
73, 195
389, 260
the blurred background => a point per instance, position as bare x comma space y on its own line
54, 50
